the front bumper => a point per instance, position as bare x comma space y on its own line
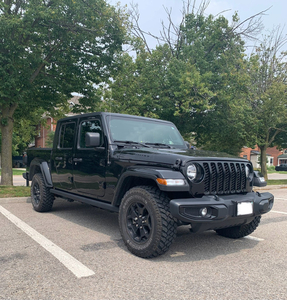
220, 211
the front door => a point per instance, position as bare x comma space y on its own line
90, 163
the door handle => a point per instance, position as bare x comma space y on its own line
77, 159
58, 158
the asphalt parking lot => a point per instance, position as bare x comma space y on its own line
76, 252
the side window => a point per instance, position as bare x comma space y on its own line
67, 135
89, 126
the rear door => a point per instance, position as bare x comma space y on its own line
62, 156
90, 163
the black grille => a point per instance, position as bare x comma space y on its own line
224, 177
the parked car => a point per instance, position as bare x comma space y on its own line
282, 167
142, 169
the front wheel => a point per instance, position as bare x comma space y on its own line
41, 197
237, 232
146, 225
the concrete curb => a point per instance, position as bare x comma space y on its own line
15, 200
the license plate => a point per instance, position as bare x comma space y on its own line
244, 208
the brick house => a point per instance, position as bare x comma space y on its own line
43, 131
274, 156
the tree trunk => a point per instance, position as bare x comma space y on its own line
263, 158
6, 126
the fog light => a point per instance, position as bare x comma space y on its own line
203, 212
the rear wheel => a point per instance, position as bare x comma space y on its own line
146, 225
237, 232
41, 197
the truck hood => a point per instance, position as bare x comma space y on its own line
170, 156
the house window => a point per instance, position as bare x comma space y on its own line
271, 161
245, 156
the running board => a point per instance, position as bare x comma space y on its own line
86, 200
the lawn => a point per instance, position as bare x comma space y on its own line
276, 181
17, 171
14, 191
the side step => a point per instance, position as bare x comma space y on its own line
86, 200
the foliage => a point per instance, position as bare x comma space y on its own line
50, 49
199, 83
267, 95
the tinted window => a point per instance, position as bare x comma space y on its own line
145, 131
89, 126
67, 135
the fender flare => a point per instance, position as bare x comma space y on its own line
151, 174
44, 167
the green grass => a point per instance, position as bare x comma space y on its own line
276, 181
277, 172
14, 191
16, 171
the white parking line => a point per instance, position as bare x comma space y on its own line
250, 237
280, 199
279, 212
76, 267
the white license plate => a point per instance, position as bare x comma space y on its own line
244, 208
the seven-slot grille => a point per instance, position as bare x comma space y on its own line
224, 177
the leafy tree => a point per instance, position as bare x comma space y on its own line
50, 49
268, 97
198, 80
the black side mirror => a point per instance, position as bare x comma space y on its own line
92, 139
258, 179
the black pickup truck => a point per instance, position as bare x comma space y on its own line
144, 170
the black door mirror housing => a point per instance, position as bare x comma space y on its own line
92, 139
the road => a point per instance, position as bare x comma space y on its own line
76, 252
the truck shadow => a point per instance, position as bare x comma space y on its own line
186, 247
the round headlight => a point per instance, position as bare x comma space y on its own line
191, 172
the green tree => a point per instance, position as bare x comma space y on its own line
268, 94
198, 80
50, 49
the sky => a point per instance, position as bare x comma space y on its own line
152, 12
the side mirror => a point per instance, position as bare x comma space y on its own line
92, 139
259, 179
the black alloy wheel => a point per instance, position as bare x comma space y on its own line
146, 225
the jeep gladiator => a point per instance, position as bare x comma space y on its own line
142, 169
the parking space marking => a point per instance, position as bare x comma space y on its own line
280, 199
250, 237
72, 264
279, 212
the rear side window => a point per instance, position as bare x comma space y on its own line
67, 135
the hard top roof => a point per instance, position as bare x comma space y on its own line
89, 115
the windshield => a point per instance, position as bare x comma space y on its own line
150, 132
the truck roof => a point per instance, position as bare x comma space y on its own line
110, 114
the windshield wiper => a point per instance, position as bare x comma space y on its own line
159, 145
133, 143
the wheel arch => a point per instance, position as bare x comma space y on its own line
132, 179
41, 166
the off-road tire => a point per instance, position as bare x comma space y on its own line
42, 199
146, 225
237, 232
